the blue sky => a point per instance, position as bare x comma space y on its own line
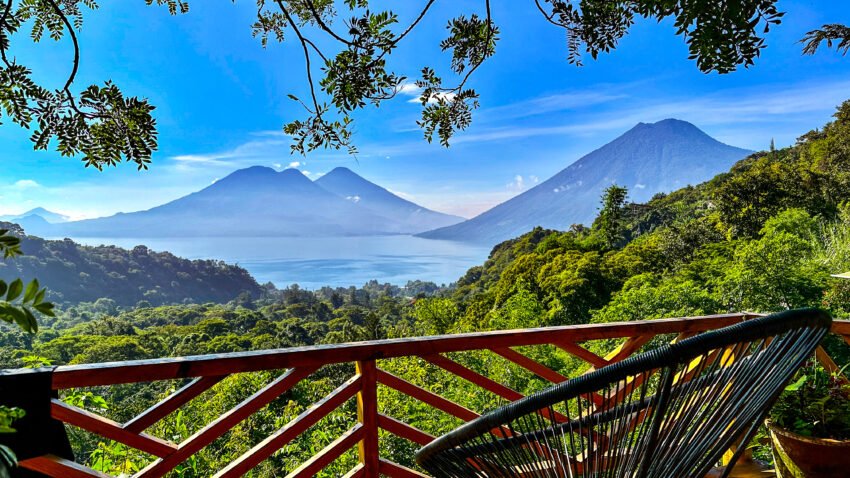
221, 101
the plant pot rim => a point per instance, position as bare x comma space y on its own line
796, 436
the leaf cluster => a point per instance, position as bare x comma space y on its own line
100, 124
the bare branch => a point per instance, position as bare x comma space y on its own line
301, 38
324, 26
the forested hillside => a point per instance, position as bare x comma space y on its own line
74, 273
765, 236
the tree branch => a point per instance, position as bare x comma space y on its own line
76, 66
323, 25
2, 26
283, 9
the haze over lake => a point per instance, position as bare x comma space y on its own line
319, 261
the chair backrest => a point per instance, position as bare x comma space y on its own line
670, 412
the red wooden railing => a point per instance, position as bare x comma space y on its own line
299, 363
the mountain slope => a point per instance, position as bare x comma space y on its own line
414, 218
255, 201
649, 158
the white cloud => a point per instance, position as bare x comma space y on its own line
295, 164
415, 92
521, 183
402, 194
26, 184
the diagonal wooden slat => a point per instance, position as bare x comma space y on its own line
486, 383
577, 350
109, 429
425, 396
174, 401
357, 472
532, 366
222, 424
329, 453
630, 346
297, 426
394, 470
403, 430
52, 465
826, 361
473, 377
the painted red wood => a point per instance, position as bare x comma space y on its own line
329, 453
572, 348
486, 383
174, 401
394, 470
357, 472
297, 426
425, 396
212, 431
403, 430
52, 465
109, 429
532, 366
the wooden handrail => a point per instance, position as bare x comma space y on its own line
298, 363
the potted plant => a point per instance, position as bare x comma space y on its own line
810, 426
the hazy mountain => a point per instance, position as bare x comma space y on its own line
260, 201
414, 218
47, 216
649, 158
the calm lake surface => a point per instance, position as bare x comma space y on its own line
316, 262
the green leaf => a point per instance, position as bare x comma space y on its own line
33, 322
3, 287
32, 290
39, 297
797, 385
15, 289
45, 308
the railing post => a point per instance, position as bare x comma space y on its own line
367, 413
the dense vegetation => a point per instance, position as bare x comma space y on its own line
765, 236
77, 273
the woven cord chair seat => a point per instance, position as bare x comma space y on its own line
671, 412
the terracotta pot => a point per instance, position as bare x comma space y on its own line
798, 456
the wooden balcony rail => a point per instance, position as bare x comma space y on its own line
300, 363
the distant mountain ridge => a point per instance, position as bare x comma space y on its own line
48, 216
259, 201
648, 159
345, 183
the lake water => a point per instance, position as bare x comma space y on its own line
333, 261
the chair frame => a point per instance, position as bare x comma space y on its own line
801, 329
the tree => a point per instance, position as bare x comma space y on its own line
609, 223
106, 127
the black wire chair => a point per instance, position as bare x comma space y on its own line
671, 412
